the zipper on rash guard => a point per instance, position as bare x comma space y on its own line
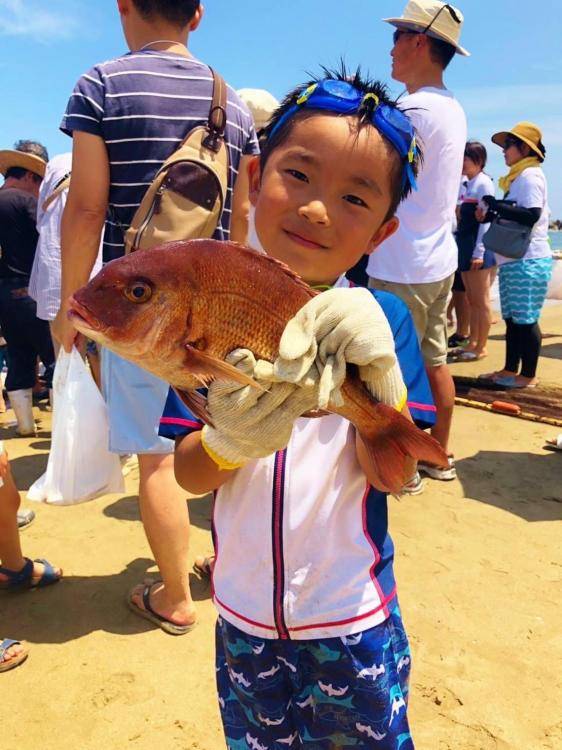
277, 538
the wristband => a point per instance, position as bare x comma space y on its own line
402, 403
222, 463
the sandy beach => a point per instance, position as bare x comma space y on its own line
479, 568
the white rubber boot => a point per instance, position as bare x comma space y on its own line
22, 404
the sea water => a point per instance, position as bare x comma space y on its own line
556, 239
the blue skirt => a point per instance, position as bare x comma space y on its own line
523, 287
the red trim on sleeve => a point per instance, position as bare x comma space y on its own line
421, 407
182, 422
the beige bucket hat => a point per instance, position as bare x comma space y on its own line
439, 20
261, 104
12, 158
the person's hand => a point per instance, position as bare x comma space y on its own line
63, 330
336, 328
248, 423
476, 264
480, 215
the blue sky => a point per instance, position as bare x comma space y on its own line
513, 74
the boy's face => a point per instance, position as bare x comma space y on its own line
323, 197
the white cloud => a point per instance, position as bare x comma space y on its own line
29, 18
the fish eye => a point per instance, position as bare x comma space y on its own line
138, 292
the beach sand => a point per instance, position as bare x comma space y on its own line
479, 567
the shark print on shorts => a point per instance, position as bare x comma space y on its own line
327, 694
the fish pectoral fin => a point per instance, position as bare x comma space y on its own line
197, 405
206, 369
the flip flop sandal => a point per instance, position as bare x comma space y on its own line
555, 444
152, 616
204, 569
470, 357
510, 383
12, 661
25, 519
23, 579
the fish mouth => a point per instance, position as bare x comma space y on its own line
82, 318
304, 241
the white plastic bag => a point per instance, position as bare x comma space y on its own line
80, 466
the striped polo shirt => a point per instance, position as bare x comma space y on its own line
143, 105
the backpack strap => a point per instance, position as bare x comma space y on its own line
216, 123
60, 187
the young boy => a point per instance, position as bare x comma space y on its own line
311, 649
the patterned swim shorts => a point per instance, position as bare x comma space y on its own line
325, 694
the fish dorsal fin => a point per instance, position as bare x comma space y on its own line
274, 262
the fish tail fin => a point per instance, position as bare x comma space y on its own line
388, 448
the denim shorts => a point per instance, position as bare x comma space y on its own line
135, 401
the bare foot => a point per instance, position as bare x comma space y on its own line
12, 654
204, 565
179, 614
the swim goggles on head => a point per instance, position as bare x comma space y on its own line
342, 97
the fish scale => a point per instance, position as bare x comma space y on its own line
205, 298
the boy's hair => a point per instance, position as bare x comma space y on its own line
476, 152
269, 142
440, 52
177, 12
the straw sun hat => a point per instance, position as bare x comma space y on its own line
261, 104
12, 158
527, 132
440, 20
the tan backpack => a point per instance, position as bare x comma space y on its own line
186, 198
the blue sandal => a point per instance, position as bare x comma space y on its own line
23, 579
12, 661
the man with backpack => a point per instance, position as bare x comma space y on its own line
127, 117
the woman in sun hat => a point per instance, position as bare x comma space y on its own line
524, 281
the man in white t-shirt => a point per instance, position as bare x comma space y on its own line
419, 261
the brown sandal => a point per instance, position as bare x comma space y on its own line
203, 566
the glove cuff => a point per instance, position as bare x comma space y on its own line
215, 447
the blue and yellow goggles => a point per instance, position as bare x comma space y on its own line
342, 97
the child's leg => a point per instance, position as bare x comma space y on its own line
10, 549
254, 694
354, 690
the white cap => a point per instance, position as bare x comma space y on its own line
261, 104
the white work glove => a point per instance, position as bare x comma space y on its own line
338, 327
249, 423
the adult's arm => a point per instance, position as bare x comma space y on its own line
526, 216
241, 203
82, 223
